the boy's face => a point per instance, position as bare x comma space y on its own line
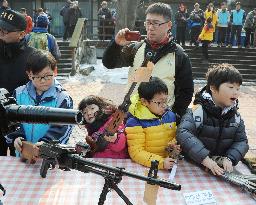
90, 113
42, 80
158, 104
227, 94
157, 27
223, 6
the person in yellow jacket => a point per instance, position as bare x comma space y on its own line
206, 37
151, 125
209, 12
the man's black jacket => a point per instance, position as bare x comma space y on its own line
13, 59
118, 56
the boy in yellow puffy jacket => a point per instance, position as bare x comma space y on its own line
151, 125
206, 37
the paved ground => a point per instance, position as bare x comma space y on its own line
116, 92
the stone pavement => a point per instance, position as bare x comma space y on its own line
116, 92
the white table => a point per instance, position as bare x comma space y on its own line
24, 185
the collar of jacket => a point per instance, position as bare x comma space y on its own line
169, 47
10, 50
140, 111
47, 95
40, 30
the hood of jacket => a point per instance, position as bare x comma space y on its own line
205, 99
138, 110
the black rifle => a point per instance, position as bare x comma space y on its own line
11, 114
68, 158
118, 116
245, 182
2, 188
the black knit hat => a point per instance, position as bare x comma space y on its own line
11, 20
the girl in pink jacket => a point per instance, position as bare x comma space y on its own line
97, 113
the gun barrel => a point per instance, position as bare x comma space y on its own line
81, 164
44, 115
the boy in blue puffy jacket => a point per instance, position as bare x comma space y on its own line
42, 90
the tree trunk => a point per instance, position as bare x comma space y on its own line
126, 14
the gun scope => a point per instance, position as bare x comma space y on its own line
43, 115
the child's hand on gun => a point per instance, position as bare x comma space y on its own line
213, 166
18, 143
227, 165
168, 163
111, 139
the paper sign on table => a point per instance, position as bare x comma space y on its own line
200, 198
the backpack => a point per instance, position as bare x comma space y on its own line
39, 41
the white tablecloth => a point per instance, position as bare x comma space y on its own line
24, 185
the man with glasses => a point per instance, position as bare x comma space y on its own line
13, 56
172, 65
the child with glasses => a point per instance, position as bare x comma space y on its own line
171, 63
151, 125
42, 90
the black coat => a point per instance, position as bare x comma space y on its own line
181, 18
218, 134
64, 13
117, 56
13, 59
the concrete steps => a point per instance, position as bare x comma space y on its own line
243, 59
65, 62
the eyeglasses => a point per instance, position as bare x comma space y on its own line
154, 24
160, 104
39, 78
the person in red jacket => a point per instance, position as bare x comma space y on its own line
97, 113
29, 21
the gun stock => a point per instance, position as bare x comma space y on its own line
142, 74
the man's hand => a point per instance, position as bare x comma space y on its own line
168, 163
111, 139
120, 37
227, 165
213, 166
18, 144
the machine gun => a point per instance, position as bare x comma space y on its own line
2, 189
11, 114
68, 158
245, 182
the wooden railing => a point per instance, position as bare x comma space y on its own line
76, 40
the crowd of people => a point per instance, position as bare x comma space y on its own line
219, 23
158, 115
226, 24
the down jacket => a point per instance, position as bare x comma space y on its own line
148, 134
218, 134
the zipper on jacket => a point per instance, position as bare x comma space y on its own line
221, 122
